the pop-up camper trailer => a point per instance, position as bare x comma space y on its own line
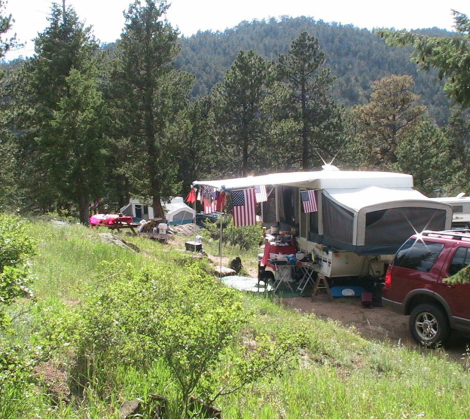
362, 217
137, 210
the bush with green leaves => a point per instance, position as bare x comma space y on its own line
16, 379
139, 316
16, 248
245, 238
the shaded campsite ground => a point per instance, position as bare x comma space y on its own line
376, 323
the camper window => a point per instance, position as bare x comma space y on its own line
289, 208
269, 211
457, 208
314, 222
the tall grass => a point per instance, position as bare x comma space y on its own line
69, 258
337, 373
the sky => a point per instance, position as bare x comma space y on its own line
191, 16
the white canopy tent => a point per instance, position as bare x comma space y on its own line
177, 212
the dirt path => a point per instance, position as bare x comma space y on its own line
376, 323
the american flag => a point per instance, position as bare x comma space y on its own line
244, 207
261, 195
309, 202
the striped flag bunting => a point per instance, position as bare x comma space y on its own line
309, 202
244, 207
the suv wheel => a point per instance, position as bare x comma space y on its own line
428, 325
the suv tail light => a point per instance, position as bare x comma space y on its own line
388, 279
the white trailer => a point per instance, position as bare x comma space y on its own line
461, 209
362, 218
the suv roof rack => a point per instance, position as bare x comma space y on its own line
459, 234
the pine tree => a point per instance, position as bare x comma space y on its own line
61, 121
421, 150
307, 102
5, 26
450, 55
7, 146
148, 95
197, 155
239, 118
393, 110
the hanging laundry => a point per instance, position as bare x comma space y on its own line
209, 205
221, 202
191, 198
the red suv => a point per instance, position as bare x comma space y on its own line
415, 284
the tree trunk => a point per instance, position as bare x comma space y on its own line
84, 210
157, 207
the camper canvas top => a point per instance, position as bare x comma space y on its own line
356, 199
316, 180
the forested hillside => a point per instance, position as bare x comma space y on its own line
357, 57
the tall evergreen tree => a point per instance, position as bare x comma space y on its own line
307, 102
239, 120
458, 133
197, 155
7, 160
61, 121
421, 150
148, 95
393, 109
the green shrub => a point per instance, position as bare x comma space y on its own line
16, 247
16, 372
138, 315
245, 238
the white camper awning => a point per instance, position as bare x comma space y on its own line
324, 179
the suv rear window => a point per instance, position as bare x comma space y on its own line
460, 260
417, 255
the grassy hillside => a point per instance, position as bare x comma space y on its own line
110, 324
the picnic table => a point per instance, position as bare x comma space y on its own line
113, 221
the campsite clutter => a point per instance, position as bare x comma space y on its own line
347, 225
139, 218
329, 230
